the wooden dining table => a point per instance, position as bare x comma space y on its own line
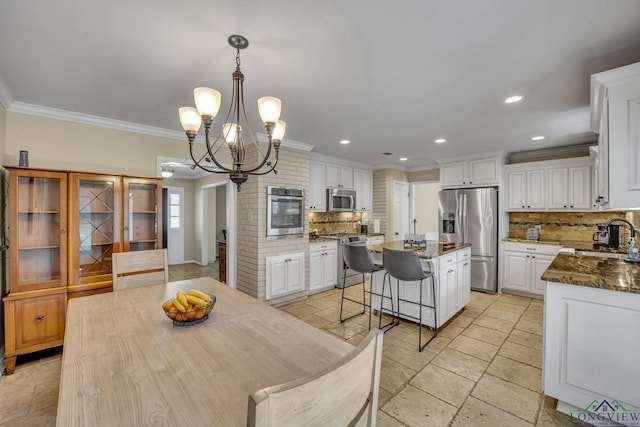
125, 363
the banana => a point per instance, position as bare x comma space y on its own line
199, 294
182, 297
179, 306
196, 301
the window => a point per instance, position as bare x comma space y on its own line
174, 210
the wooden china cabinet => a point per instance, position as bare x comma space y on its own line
64, 227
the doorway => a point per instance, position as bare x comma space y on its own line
175, 225
400, 210
215, 234
424, 208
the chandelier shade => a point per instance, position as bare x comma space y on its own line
234, 129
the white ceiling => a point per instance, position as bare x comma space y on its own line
389, 76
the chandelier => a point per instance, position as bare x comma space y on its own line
231, 132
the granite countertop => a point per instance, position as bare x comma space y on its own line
374, 234
574, 244
319, 239
433, 248
594, 272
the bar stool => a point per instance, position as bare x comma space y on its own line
357, 258
405, 265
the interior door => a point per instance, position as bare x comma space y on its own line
400, 210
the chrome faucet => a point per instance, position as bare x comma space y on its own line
631, 226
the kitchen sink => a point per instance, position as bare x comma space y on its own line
602, 254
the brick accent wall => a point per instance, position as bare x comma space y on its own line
253, 246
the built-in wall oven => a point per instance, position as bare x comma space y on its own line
285, 212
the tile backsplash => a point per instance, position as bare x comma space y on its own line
335, 222
575, 226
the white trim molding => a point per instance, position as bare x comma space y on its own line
88, 119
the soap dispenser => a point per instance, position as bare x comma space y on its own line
633, 249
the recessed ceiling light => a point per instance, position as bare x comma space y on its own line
440, 140
513, 99
537, 138
345, 141
403, 159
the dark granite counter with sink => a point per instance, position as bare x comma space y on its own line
433, 248
594, 272
574, 244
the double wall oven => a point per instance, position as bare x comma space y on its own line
285, 212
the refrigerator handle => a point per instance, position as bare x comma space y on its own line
463, 217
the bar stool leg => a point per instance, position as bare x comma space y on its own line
393, 322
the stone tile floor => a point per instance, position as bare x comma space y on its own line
483, 369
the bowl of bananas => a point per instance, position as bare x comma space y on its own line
190, 307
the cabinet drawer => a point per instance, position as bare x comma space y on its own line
40, 320
464, 254
448, 260
537, 248
323, 246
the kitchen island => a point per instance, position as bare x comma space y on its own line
591, 338
451, 264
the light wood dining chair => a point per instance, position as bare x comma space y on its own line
139, 268
343, 394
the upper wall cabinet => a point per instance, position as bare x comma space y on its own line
328, 172
339, 176
615, 116
362, 183
555, 185
317, 193
470, 173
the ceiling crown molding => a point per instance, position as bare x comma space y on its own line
5, 96
289, 143
87, 119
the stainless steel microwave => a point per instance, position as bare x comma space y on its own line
339, 200
285, 212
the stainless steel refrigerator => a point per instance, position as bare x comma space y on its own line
471, 216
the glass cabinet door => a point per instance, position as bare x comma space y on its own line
94, 209
38, 226
142, 214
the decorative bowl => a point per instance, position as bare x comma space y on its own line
192, 316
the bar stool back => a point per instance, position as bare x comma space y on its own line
405, 265
357, 258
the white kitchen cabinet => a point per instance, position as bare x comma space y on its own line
339, 176
525, 189
555, 185
363, 186
285, 274
317, 188
464, 280
569, 188
591, 348
470, 173
523, 265
615, 116
323, 265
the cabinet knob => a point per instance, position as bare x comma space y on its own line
528, 206
470, 182
126, 228
40, 318
533, 256
522, 206
565, 206
63, 231
571, 206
